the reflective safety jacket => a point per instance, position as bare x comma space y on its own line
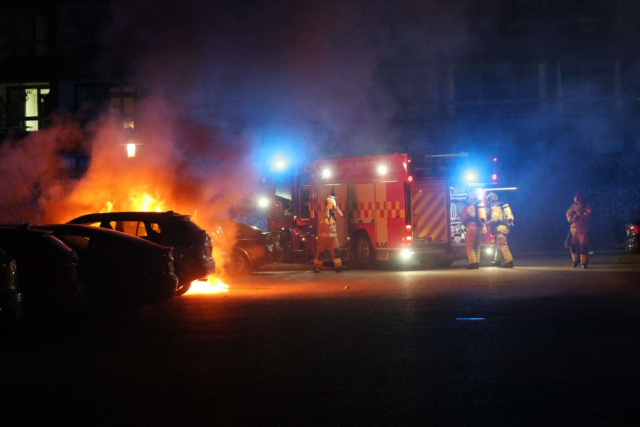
327, 223
578, 215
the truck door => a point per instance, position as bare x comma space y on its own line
429, 213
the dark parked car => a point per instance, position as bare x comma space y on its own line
191, 244
119, 270
251, 247
47, 268
10, 298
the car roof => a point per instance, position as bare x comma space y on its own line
124, 216
88, 231
24, 228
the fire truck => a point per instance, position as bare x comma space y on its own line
391, 211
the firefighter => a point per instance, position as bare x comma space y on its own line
473, 228
328, 235
578, 215
500, 221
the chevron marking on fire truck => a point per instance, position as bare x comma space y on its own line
429, 214
389, 209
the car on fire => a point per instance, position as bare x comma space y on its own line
47, 268
10, 298
192, 246
250, 247
119, 270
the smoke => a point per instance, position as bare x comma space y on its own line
30, 166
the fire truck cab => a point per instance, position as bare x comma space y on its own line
389, 214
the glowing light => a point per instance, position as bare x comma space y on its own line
212, 285
280, 163
131, 150
263, 202
488, 251
471, 176
406, 254
408, 226
494, 176
469, 318
382, 169
326, 173
410, 178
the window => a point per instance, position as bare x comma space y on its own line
588, 87
154, 227
586, 16
304, 192
496, 89
128, 227
122, 101
24, 106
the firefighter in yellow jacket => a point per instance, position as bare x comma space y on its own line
500, 221
473, 217
328, 235
578, 215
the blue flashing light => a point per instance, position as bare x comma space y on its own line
469, 318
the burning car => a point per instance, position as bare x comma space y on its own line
10, 298
251, 248
47, 268
119, 270
192, 249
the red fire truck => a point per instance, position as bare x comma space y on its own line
390, 213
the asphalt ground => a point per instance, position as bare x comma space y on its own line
540, 344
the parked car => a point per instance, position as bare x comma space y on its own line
47, 268
10, 298
191, 244
119, 270
251, 247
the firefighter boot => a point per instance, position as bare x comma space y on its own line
575, 264
496, 264
471, 266
337, 263
476, 265
316, 265
508, 265
584, 266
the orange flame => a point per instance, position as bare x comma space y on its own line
212, 285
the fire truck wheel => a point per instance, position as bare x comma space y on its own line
364, 254
183, 289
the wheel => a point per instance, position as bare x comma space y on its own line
365, 255
182, 289
287, 247
239, 263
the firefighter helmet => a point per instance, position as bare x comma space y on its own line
492, 197
579, 197
472, 198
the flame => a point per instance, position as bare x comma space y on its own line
212, 285
143, 202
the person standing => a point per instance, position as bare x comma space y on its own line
578, 215
328, 235
500, 221
473, 229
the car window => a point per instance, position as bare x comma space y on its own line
94, 224
109, 225
128, 227
153, 227
141, 231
